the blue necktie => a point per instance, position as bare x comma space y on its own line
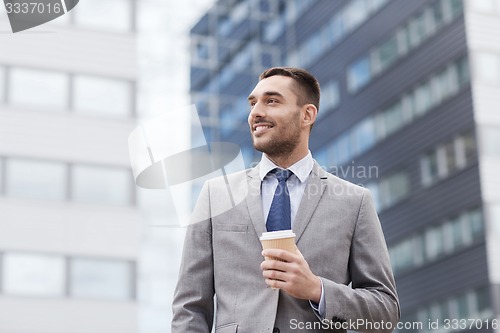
279, 217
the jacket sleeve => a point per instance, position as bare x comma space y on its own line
193, 304
371, 304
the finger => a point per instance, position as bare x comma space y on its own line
280, 254
276, 284
274, 265
275, 275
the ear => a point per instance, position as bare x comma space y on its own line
309, 115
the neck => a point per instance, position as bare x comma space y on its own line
286, 160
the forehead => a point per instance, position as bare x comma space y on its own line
283, 85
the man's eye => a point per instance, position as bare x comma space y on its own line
272, 101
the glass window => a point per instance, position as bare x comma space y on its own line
38, 88
103, 185
405, 254
266, 59
330, 97
358, 74
429, 167
450, 160
418, 250
291, 11
202, 50
483, 300
459, 144
337, 28
437, 13
388, 52
407, 109
437, 89
228, 121
374, 5
463, 71
476, 224
380, 130
33, 275
452, 80
393, 118
457, 233
490, 139
441, 160
422, 99
355, 13
35, 179
312, 48
456, 7
393, 189
462, 307
418, 30
2, 85
225, 26
113, 15
274, 29
434, 242
101, 95
470, 147
101, 279
445, 309
343, 153
399, 187
448, 243
436, 312
364, 135
402, 41
488, 67
467, 229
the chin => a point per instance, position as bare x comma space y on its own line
259, 145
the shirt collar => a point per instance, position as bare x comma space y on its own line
301, 168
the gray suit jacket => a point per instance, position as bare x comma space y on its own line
338, 232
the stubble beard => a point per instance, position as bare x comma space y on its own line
280, 144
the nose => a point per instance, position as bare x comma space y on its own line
257, 111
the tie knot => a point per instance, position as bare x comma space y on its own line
282, 174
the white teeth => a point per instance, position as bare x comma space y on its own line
260, 128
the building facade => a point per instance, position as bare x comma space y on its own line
69, 239
407, 110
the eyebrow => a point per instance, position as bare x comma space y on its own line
267, 93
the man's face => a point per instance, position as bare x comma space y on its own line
275, 117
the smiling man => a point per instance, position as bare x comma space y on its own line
338, 278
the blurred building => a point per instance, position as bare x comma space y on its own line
409, 90
69, 223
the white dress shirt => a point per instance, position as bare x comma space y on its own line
296, 185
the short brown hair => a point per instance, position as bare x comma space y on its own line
308, 86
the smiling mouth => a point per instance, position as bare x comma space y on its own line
261, 128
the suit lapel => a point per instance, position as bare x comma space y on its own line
312, 194
254, 201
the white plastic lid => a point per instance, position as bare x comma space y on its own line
277, 234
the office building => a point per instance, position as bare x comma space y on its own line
69, 239
409, 90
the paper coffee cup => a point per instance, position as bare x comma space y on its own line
282, 239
